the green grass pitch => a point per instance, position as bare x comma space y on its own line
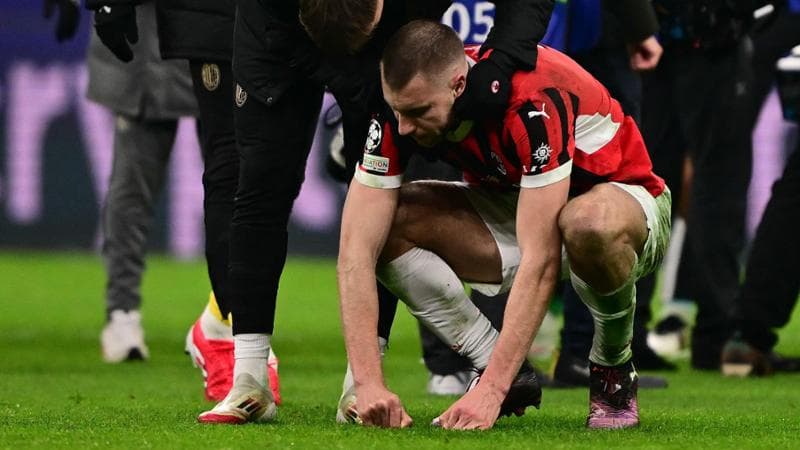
56, 393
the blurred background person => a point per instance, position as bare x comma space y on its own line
771, 284
147, 96
694, 105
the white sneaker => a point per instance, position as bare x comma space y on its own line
248, 401
346, 409
452, 384
122, 339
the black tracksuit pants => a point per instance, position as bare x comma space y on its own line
220, 166
696, 103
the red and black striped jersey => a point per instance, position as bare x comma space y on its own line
561, 122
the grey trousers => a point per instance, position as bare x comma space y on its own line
141, 154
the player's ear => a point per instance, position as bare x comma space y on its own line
458, 84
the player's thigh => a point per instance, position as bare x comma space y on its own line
438, 216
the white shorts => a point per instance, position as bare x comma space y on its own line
499, 212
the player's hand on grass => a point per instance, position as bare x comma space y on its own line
478, 409
378, 406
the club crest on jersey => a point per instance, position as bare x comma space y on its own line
211, 75
375, 163
374, 136
241, 96
542, 154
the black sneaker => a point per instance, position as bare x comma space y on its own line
612, 397
525, 391
646, 359
740, 359
782, 363
570, 371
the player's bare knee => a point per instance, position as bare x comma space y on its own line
587, 226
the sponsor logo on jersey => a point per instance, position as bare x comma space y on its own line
375, 163
542, 154
211, 76
374, 136
535, 113
241, 96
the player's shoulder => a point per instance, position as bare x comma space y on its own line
553, 70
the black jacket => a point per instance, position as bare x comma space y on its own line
196, 29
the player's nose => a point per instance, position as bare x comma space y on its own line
404, 126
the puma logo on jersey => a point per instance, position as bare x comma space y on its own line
534, 113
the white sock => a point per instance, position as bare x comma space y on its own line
435, 295
250, 354
213, 328
613, 320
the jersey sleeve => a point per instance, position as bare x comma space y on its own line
542, 130
383, 162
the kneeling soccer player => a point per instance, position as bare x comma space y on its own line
562, 183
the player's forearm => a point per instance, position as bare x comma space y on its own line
363, 234
539, 239
525, 310
359, 311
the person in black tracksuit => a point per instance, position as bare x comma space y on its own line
280, 78
202, 32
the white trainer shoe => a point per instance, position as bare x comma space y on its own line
248, 401
122, 339
452, 384
346, 411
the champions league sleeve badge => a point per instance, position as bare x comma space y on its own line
374, 136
